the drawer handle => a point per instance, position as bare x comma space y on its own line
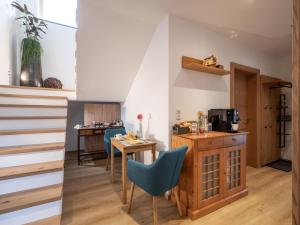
233, 139
210, 142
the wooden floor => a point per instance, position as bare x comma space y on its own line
90, 198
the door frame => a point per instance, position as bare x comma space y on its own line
296, 112
253, 72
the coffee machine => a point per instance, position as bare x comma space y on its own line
225, 120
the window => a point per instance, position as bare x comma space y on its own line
59, 11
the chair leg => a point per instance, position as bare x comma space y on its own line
131, 197
177, 201
107, 161
155, 221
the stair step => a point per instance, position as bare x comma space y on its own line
32, 106
25, 199
36, 88
31, 117
32, 131
31, 148
32, 96
30, 169
54, 220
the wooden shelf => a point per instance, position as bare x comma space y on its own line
195, 64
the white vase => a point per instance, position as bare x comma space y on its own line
140, 131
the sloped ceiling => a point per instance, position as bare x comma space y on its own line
113, 35
262, 24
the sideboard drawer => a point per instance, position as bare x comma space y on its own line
86, 132
234, 140
210, 143
99, 131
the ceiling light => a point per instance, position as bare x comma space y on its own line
233, 34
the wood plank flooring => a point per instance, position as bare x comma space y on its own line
91, 199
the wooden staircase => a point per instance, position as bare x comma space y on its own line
32, 139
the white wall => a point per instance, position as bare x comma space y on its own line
6, 28
58, 60
110, 49
149, 93
283, 69
59, 46
193, 91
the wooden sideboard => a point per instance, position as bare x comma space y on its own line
214, 171
92, 146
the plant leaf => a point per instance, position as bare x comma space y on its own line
35, 19
40, 29
18, 6
21, 17
25, 9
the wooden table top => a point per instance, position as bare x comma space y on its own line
211, 134
124, 144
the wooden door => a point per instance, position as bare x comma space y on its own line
234, 167
210, 177
245, 96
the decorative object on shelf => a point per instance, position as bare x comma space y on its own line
213, 62
207, 65
52, 82
31, 68
210, 61
139, 133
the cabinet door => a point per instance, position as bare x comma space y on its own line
210, 178
234, 169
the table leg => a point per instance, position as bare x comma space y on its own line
124, 177
112, 163
78, 150
153, 154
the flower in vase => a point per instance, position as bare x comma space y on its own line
140, 117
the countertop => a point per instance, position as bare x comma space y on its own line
211, 134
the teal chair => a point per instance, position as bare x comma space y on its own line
159, 177
109, 133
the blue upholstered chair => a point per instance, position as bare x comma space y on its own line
109, 133
159, 177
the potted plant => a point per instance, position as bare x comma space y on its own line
31, 49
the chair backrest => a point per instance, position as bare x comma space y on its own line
109, 133
167, 168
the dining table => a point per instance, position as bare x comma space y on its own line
127, 148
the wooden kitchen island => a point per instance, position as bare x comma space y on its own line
214, 171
